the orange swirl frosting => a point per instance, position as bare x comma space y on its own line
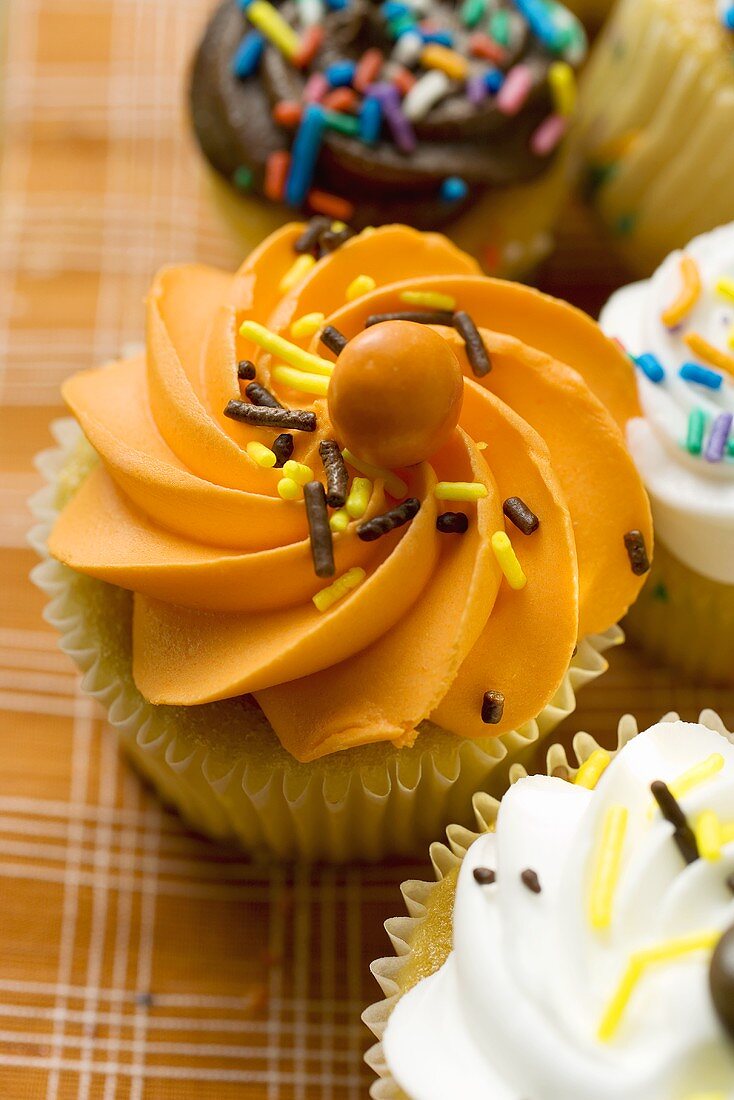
180, 512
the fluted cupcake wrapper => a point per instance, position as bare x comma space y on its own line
220, 764
422, 939
685, 620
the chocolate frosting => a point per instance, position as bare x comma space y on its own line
233, 118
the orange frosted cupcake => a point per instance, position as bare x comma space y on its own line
330, 545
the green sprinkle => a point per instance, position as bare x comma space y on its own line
625, 224
472, 11
242, 178
345, 124
660, 592
499, 27
730, 447
396, 27
696, 428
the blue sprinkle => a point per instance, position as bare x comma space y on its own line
304, 154
393, 9
341, 73
494, 79
728, 18
454, 189
247, 56
337, 5
370, 120
243, 5
441, 38
693, 372
650, 366
540, 22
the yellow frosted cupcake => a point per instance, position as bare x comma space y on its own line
654, 129
330, 544
438, 115
679, 326
582, 943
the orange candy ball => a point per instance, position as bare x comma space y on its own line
395, 394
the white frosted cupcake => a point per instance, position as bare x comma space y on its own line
593, 929
679, 325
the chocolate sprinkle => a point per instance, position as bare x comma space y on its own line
245, 370
333, 339
730, 882
721, 981
332, 239
380, 525
518, 513
322, 546
420, 317
282, 448
531, 880
634, 542
260, 396
452, 523
264, 417
493, 705
337, 475
485, 876
683, 834
308, 242
476, 351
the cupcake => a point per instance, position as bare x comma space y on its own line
582, 945
422, 111
678, 325
654, 129
329, 546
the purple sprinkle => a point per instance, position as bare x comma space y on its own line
402, 132
720, 430
476, 90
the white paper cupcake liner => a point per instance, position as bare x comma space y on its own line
221, 765
446, 859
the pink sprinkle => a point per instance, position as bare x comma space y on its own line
515, 90
548, 134
315, 88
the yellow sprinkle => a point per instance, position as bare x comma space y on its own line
359, 497
725, 286
271, 23
704, 350
284, 349
482, 446
363, 284
261, 455
727, 834
730, 337
709, 836
688, 294
394, 485
428, 299
507, 559
606, 866
639, 963
297, 271
460, 490
562, 82
338, 590
299, 380
336, 227
339, 520
289, 489
307, 325
692, 778
298, 471
435, 56
590, 771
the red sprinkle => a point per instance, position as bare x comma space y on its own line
403, 79
343, 100
287, 113
492, 256
333, 206
315, 88
481, 45
310, 45
368, 69
276, 173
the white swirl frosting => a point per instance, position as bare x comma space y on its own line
692, 498
514, 1013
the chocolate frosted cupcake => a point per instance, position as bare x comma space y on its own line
431, 114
